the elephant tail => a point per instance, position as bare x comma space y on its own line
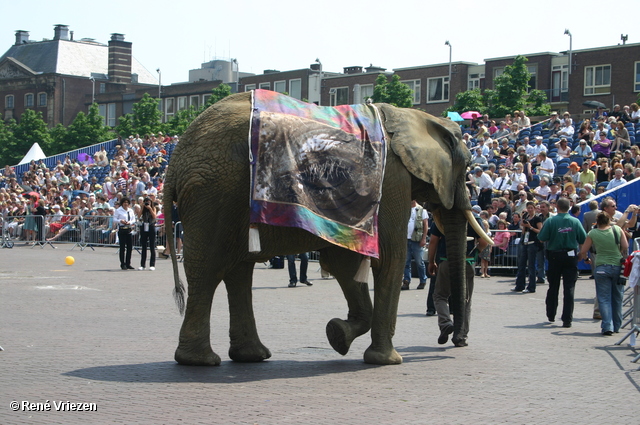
178, 289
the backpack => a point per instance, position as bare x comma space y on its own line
277, 262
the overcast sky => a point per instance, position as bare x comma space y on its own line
177, 36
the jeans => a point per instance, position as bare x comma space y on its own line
414, 250
561, 266
540, 264
610, 296
526, 266
304, 263
148, 239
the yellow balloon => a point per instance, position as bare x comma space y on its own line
69, 260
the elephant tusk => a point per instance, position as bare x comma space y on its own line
474, 224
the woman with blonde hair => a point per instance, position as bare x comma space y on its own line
621, 140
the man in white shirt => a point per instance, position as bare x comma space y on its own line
546, 167
484, 185
537, 148
503, 182
618, 179
541, 192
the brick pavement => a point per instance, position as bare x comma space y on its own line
93, 333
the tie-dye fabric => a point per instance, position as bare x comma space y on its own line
318, 168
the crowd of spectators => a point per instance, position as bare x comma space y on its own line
515, 164
85, 190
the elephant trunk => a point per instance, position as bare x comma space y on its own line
455, 230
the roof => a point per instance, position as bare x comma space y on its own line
77, 58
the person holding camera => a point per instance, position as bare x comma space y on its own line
125, 219
611, 246
147, 218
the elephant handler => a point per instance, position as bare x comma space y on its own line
439, 266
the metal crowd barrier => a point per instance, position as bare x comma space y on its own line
83, 231
504, 260
633, 302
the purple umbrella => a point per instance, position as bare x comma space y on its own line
85, 158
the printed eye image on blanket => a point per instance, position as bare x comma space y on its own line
317, 168
325, 169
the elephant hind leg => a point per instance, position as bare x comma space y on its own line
245, 343
344, 264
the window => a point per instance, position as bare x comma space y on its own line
194, 101
169, 108
182, 103
414, 85
8, 101
249, 87
498, 72
438, 89
280, 86
42, 99
103, 88
597, 79
474, 81
28, 100
636, 85
366, 91
205, 99
533, 82
295, 88
102, 111
338, 96
559, 83
265, 86
111, 114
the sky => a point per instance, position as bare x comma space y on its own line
291, 34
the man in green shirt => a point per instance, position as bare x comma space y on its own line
587, 176
564, 235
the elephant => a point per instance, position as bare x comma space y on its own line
209, 179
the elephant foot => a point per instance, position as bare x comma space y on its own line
200, 357
341, 334
382, 357
249, 352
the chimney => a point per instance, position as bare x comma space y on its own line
22, 37
61, 32
119, 59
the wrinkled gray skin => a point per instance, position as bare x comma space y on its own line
209, 179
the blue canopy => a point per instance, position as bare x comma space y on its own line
454, 116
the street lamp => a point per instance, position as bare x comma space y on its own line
446, 43
237, 75
567, 32
159, 83
93, 90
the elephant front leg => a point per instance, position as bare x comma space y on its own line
343, 265
194, 348
385, 311
245, 343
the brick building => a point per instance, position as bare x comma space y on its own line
59, 77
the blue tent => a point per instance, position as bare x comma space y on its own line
454, 116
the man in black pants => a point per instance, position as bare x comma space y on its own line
564, 235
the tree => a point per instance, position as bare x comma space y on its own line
7, 143
537, 104
181, 120
85, 130
217, 94
510, 89
395, 93
125, 126
21, 136
146, 115
470, 100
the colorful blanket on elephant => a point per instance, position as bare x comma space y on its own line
317, 168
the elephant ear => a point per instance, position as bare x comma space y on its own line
429, 147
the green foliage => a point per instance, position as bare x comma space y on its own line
20, 137
510, 89
394, 93
146, 115
537, 104
217, 94
7, 143
180, 121
470, 100
125, 126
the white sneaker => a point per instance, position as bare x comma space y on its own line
152, 268
140, 268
